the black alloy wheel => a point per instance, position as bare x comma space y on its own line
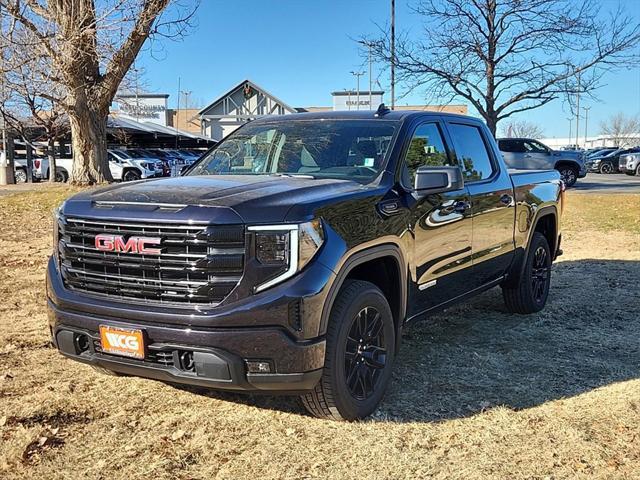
528, 291
606, 168
365, 354
540, 271
360, 349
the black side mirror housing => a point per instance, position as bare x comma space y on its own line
432, 180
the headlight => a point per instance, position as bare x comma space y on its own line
283, 250
57, 216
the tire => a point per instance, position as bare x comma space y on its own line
568, 174
529, 294
61, 175
131, 176
20, 175
606, 168
638, 171
356, 373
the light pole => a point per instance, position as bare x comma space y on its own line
369, 45
578, 110
357, 75
570, 127
586, 123
393, 54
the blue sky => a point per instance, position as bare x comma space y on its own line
302, 50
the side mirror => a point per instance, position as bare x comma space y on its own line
431, 180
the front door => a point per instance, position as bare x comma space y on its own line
441, 225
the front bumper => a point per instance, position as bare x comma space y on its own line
583, 171
220, 340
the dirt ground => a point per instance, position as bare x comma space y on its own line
477, 393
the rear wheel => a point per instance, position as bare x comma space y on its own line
568, 174
61, 175
638, 170
21, 175
359, 355
529, 294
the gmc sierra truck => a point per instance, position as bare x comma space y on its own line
289, 258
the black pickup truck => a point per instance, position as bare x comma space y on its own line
290, 257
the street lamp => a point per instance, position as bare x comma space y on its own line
586, 123
369, 45
357, 75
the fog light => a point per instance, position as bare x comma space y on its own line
81, 342
256, 366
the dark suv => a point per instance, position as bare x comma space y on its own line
292, 255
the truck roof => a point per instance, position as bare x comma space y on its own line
365, 115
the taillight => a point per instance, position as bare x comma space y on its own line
36, 163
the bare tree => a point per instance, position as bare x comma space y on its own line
510, 56
26, 109
521, 129
623, 130
87, 47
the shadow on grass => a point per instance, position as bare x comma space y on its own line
477, 355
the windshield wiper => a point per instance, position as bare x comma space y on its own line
293, 175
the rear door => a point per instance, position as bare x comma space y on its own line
441, 224
491, 196
513, 152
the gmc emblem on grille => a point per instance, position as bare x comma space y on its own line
117, 243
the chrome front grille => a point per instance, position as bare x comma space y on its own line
196, 264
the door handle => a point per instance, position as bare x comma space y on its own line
458, 207
389, 207
506, 199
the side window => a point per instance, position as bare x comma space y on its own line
426, 148
511, 146
471, 152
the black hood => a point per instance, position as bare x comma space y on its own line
215, 198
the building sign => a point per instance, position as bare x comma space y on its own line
143, 107
350, 100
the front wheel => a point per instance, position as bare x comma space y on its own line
606, 168
638, 171
569, 175
131, 176
530, 292
359, 355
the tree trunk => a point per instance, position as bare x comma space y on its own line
89, 144
492, 124
51, 155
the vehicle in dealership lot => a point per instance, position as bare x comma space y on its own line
292, 255
126, 167
64, 167
20, 170
600, 152
610, 162
530, 154
630, 163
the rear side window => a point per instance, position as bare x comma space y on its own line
471, 152
426, 148
511, 146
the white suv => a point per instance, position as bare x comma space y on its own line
126, 168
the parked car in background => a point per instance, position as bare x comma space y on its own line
126, 167
630, 163
609, 162
20, 170
599, 152
64, 168
530, 154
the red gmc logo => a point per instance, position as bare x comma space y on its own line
117, 243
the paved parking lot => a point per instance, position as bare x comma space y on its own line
613, 183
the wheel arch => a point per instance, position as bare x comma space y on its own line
567, 163
382, 265
545, 222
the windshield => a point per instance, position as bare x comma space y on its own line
349, 149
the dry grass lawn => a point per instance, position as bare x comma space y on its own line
477, 393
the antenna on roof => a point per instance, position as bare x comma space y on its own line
382, 110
